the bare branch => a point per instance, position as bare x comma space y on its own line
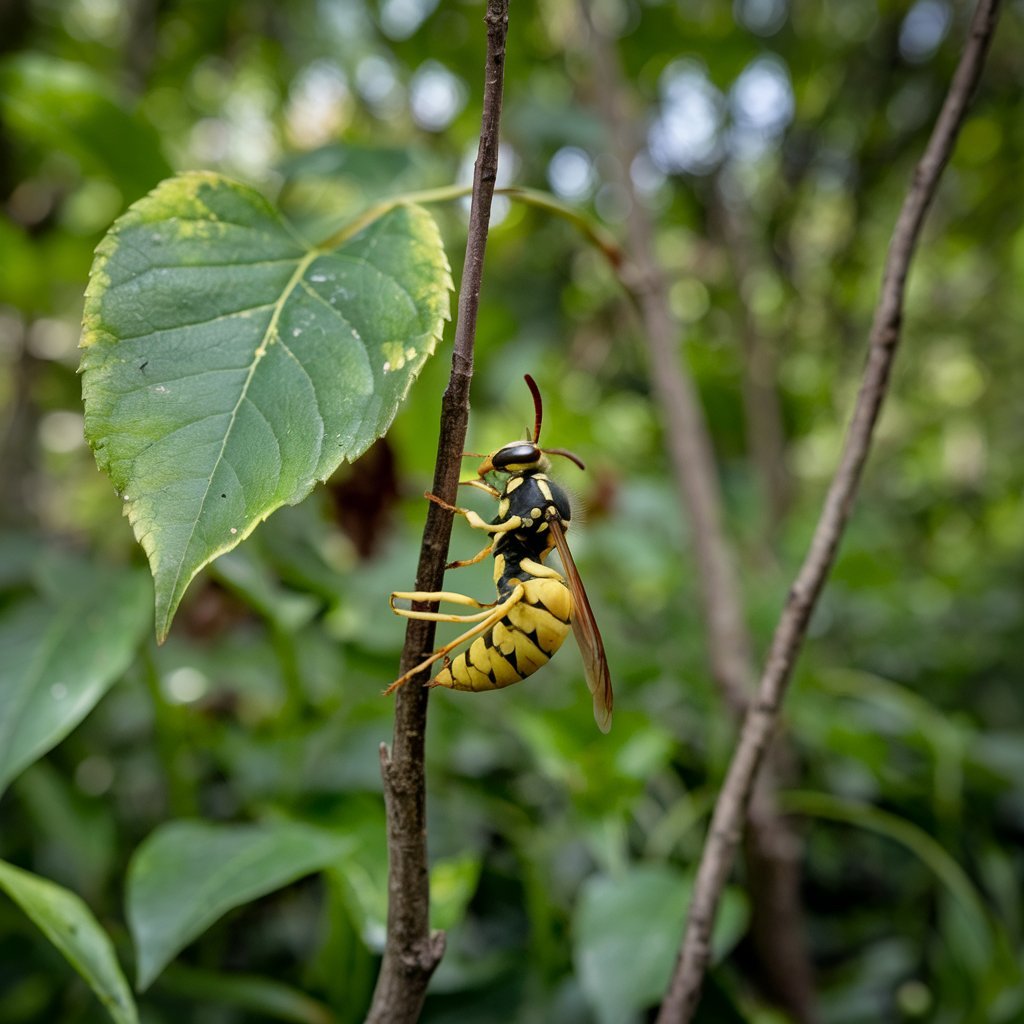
727, 821
412, 952
774, 851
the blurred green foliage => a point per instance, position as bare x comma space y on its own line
263, 706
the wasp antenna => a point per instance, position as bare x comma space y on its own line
473, 455
565, 455
537, 405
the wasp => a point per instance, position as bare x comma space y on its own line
514, 635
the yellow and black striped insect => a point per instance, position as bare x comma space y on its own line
516, 634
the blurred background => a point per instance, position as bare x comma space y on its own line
778, 141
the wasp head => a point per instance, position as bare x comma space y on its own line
515, 457
525, 456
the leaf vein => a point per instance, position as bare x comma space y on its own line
363, 261
148, 385
177, 430
316, 395
356, 336
268, 336
195, 323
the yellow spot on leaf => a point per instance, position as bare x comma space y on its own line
394, 354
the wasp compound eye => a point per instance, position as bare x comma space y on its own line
515, 455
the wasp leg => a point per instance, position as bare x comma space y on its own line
496, 615
481, 485
444, 504
478, 557
512, 523
474, 520
439, 595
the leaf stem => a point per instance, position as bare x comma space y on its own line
587, 226
430, 195
591, 229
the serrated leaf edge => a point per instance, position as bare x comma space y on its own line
91, 333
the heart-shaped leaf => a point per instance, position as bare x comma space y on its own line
228, 366
69, 924
61, 653
187, 874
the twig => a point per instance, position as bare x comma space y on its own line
774, 851
412, 952
727, 820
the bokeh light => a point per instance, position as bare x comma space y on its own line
686, 134
924, 28
571, 173
435, 96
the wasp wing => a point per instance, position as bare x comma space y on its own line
584, 627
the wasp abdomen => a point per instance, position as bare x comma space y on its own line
517, 645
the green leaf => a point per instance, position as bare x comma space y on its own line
228, 366
69, 924
627, 930
61, 652
187, 874
73, 109
77, 831
262, 996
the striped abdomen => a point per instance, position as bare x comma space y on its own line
517, 645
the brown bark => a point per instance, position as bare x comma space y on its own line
412, 952
774, 851
727, 821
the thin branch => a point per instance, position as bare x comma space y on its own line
773, 854
412, 952
727, 820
